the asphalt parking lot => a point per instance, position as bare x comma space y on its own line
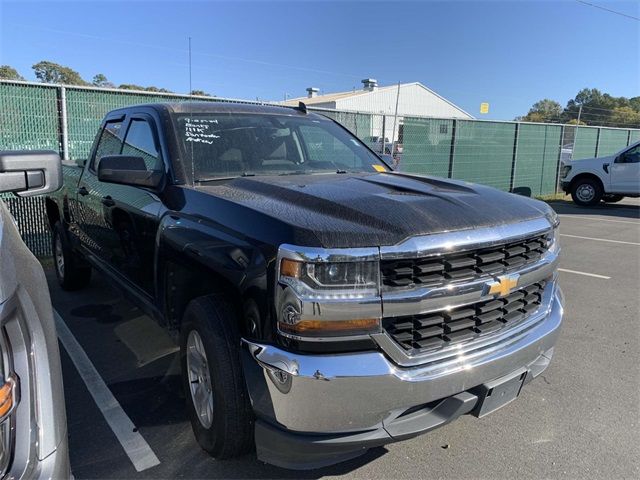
580, 419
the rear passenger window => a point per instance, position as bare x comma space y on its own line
109, 143
140, 142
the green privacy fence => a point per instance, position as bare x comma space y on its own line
511, 156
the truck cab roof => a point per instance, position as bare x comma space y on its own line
214, 107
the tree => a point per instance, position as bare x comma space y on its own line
100, 80
200, 93
544, 111
625, 117
50, 72
156, 89
594, 108
130, 86
9, 73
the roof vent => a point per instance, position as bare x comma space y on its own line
370, 84
312, 92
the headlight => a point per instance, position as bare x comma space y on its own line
330, 280
554, 245
310, 289
564, 171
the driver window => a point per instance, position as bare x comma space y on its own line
632, 155
140, 142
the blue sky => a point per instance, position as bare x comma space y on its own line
509, 54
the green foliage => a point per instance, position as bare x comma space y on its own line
200, 93
156, 89
597, 109
130, 86
545, 110
9, 73
50, 72
100, 80
626, 116
133, 86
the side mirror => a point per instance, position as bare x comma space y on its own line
127, 170
29, 173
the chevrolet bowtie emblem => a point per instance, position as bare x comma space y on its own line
503, 285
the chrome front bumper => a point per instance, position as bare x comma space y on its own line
356, 392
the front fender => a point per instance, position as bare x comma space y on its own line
211, 250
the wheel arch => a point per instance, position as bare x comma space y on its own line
586, 175
194, 260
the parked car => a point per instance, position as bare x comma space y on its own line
323, 304
609, 178
33, 424
375, 143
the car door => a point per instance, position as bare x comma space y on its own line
93, 230
625, 172
131, 212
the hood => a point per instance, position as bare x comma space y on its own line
354, 210
595, 162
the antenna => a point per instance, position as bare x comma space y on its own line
190, 86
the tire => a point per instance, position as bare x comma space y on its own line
70, 269
222, 421
612, 198
586, 192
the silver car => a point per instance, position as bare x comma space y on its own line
33, 422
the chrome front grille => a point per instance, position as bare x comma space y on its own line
443, 294
441, 269
438, 329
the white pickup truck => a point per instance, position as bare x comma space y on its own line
605, 178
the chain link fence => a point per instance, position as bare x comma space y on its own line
512, 156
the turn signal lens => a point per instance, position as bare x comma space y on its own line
290, 268
331, 328
7, 397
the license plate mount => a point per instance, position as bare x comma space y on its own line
499, 392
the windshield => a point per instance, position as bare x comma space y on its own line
223, 145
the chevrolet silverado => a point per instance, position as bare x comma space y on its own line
323, 303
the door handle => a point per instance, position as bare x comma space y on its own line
83, 191
108, 201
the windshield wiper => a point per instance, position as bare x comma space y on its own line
216, 179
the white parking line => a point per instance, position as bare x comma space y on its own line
583, 217
595, 275
599, 239
134, 444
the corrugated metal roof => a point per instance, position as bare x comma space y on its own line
333, 97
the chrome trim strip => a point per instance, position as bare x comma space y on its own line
470, 348
440, 243
318, 254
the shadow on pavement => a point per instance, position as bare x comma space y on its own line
150, 393
622, 210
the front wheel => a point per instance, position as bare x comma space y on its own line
71, 271
586, 192
213, 380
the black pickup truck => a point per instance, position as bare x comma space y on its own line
323, 303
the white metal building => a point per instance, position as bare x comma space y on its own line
412, 99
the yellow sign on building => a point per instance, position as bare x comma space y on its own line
484, 108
